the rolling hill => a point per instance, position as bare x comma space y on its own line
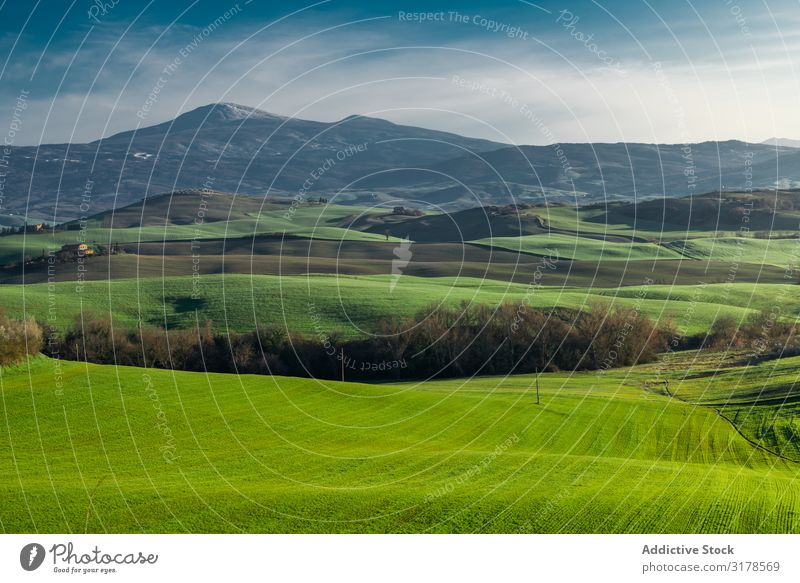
581, 248
353, 305
135, 450
695, 239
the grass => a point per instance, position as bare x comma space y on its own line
749, 298
353, 304
763, 401
704, 215
89, 450
580, 248
780, 252
597, 221
318, 222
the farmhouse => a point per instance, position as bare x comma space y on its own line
74, 251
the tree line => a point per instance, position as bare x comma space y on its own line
439, 342
764, 335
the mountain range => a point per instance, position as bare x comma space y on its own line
364, 160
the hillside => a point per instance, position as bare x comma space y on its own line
194, 215
353, 305
363, 160
459, 226
211, 233
581, 173
760, 210
601, 454
571, 247
225, 147
188, 207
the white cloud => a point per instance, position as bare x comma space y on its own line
736, 94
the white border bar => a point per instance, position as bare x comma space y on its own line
407, 558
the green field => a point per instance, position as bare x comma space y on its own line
597, 221
781, 252
120, 451
15, 247
712, 214
353, 304
319, 222
580, 248
763, 402
90, 448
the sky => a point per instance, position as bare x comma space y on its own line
512, 71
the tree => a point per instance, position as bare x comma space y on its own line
18, 338
723, 333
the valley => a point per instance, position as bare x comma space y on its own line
677, 412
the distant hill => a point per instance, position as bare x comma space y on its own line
459, 226
762, 210
190, 207
759, 210
782, 142
186, 207
367, 161
585, 172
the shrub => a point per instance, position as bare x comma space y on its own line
18, 338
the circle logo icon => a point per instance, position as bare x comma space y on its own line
31, 556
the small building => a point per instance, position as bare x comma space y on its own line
74, 251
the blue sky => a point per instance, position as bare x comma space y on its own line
513, 71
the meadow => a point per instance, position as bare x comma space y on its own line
353, 304
581, 248
17, 247
113, 449
780, 252
94, 448
763, 402
187, 217
599, 221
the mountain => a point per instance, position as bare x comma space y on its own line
783, 142
230, 147
220, 146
